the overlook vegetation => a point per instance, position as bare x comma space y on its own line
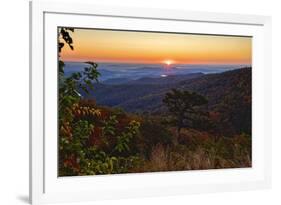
192, 122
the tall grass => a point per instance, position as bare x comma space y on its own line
209, 154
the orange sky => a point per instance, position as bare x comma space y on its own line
148, 47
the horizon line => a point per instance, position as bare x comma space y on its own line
155, 63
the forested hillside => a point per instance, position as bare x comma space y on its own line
228, 94
152, 90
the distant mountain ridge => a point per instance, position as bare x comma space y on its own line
152, 80
113, 72
145, 95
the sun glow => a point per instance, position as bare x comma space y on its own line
157, 48
168, 62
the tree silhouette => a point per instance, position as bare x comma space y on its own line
64, 37
183, 105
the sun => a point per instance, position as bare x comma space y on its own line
168, 62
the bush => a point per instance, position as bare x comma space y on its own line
152, 132
92, 142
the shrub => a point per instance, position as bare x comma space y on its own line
152, 132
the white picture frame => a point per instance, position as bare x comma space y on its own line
46, 187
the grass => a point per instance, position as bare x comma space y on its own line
199, 154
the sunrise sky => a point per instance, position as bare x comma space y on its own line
147, 47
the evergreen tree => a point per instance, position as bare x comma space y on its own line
183, 106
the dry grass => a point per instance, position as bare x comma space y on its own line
227, 153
